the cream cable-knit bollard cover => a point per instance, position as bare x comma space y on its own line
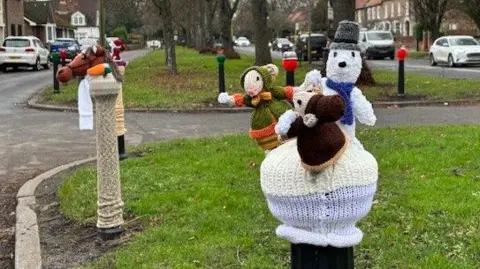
119, 108
319, 209
110, 205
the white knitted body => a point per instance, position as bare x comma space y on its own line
319, 209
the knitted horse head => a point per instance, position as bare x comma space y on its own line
88, 58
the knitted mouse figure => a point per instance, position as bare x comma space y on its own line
324, 208
320, 141
269, 102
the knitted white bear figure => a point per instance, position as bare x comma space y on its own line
323, 208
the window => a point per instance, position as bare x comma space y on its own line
392, 10
373, 13
16, 43
399, 9
397, 27
20, 30
49, 33
407, 8
80, 20
75, 20
378, 12
12, 30
368, 14
385, 11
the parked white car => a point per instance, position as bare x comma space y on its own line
455, 50
242, 42
23, 51
154, 44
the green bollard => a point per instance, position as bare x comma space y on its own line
221, 72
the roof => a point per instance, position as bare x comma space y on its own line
359, 4
87, 7
63, 21
39, 12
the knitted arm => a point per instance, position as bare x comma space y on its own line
329, 108
236, 99
282, 93
296, 128
362, 108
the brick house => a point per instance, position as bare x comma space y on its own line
13, 17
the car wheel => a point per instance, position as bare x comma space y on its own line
47, 65
3, 69
37, 65
432, 60
451, 63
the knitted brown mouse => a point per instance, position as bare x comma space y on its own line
320, 141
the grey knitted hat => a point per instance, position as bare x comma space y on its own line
346, 36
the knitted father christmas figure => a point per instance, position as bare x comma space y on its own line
118, 47
323, 208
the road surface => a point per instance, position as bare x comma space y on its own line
411, 65
32, 142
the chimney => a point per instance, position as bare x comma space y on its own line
62, 7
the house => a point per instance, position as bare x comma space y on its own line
2, 21
397, 16
83, 15
13, 17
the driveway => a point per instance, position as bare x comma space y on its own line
411, 65
32, 142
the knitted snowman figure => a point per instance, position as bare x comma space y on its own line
323, 208
344, 65
269, 102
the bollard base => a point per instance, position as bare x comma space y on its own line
121, 147
304, 256
110, 233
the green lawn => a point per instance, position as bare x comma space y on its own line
203, 206
148, 85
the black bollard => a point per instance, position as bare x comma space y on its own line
290, 78
304, 256
121, 147
401, 55
56, 84
221, 72
401, 78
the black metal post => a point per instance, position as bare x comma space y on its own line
401, 78
64, 62
290, 78
56, 85
121, 147
304, 256
221, 72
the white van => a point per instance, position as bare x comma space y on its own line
377, 44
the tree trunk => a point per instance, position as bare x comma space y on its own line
343, 10
210, 14
262, 32
170, 42
226, 25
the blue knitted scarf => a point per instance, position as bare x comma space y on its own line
344, 90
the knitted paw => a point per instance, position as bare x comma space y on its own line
224, 98
315, 77
285, 121
310, 120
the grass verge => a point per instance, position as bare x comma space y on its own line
148, 84
202, 203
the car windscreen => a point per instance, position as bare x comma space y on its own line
317, 40
16, 43
379, 36
463, 42
283, 41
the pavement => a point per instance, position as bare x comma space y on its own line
421, 66
32, 141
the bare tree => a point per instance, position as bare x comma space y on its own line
165, 12
226, 15
262, 32
430, 14
472, 9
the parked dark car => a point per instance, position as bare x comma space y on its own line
70, 45
282, 44
318, 43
